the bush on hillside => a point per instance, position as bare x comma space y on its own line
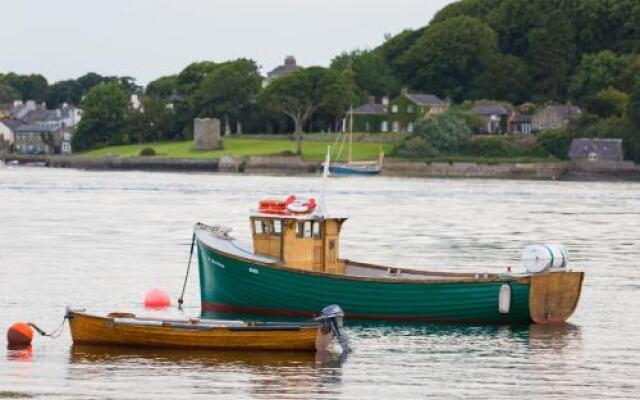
555, 142
446, 133
415, 147
503, 147
147, 152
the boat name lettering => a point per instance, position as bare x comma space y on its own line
216, 263
253, 270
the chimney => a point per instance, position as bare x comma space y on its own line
385, 100
371, 100
405, 91
17, 103
290, 60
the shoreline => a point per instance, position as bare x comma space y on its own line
552, 170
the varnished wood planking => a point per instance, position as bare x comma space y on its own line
554, 296
102, 331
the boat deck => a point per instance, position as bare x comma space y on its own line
232, 247
364, 270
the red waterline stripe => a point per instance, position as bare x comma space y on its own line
228, 308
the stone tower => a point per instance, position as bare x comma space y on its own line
206, 134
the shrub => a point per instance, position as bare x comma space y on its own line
147, 152
492, 146
607, 103
446, 133
555, 142
415, 147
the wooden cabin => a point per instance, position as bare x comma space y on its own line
302, 242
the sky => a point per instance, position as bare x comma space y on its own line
147, 39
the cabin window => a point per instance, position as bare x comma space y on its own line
260, 226
276, 227
317, 232
305, 229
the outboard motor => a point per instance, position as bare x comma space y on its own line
332, 317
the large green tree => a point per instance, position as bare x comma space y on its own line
633, 107
369, 71
301, 94
8, 93
227, 91
68, 91
30, 87
449, 56
154, 121
189, 79
597, 72
163, 87
103, 119
506, 77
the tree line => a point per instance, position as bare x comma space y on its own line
515, 51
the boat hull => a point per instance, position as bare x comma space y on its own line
348, 170
93, 330
231, 284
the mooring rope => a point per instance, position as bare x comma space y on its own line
54, 334
186, 276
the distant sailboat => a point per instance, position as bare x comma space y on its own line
355, 167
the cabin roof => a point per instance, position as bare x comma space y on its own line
298, 217
232, 247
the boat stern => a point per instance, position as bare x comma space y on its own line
554, 296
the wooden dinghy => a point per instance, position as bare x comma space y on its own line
125, 329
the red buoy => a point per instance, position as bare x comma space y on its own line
157, 298
19, 334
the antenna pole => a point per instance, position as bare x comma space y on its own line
350, 134
325, 173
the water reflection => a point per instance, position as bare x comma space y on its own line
266, 373
19, 353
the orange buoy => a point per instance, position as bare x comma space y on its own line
157, 298
19, 334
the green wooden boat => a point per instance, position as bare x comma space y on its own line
294, 269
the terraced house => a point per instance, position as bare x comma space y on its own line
38, 130
398, 115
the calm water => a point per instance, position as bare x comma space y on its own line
101, 239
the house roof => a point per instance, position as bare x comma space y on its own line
490, 109
36, 128
288, 67
564, 111
425, 99
521, 119
11, 123
606, 149
371, 109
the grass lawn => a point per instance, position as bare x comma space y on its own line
312, 151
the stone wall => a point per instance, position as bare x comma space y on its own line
475, 170
296, 166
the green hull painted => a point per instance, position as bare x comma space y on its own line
232, 285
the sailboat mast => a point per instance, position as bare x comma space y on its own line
350, 134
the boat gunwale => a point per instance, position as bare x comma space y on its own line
463, 278
260, 326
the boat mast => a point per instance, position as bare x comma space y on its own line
322, 209
350, 134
